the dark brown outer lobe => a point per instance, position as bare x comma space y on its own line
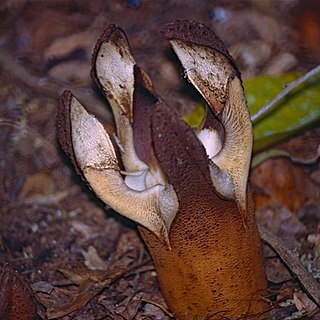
196, 33
143, 100
215, 264
63, 127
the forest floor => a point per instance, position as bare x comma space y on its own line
82, 261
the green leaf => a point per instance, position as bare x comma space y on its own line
296, 111
194, 118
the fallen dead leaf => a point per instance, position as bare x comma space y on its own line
285, 184
303, 303
92, 259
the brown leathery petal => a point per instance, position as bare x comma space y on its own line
63, 123
178, 158
144, 100
215, 264
63, 128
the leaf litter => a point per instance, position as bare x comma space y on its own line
82, 262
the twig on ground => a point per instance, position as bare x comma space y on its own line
268, 107
311, 286
160, 306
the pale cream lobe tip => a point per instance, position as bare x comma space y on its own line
92, 145
114, 69
154, 208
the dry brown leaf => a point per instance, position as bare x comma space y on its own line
68, 58
280, 220
276, 272
40, 183
303, 303
314, 239
76, 300
92, 259
278, 181
61, 302
280, 64
309, 25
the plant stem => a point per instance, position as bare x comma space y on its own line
268, 107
